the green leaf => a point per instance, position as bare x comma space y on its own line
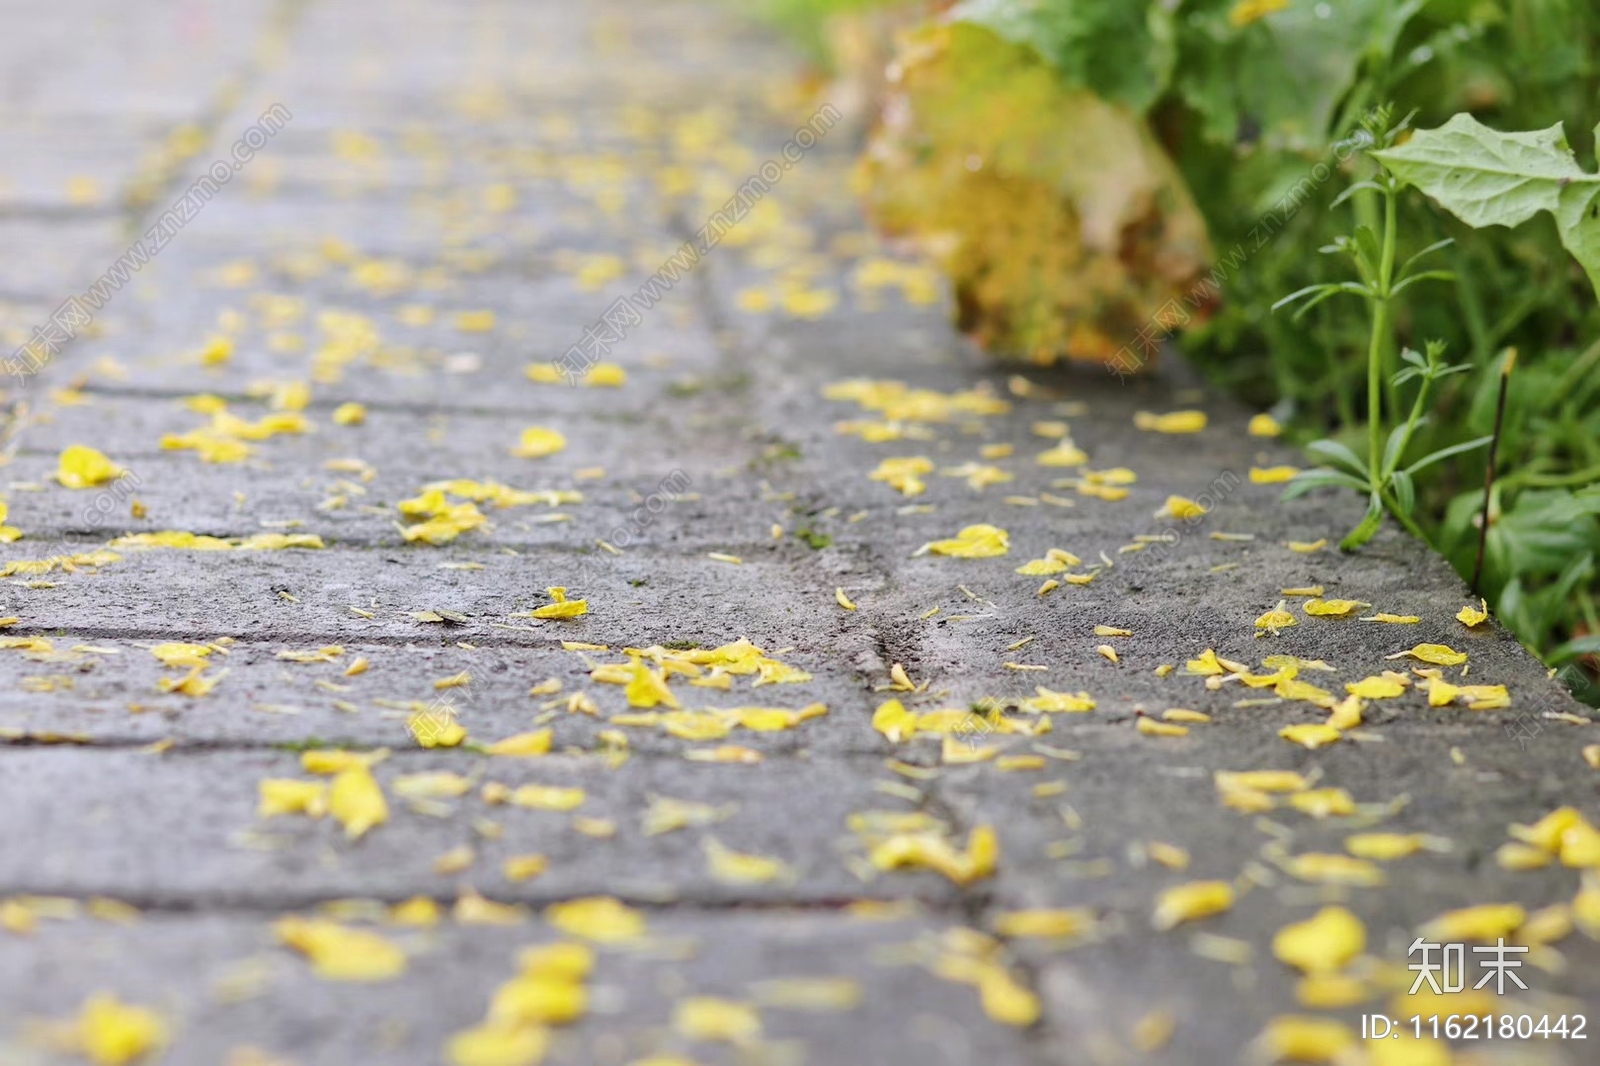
1122, 49
1572, 649
1368, 527
1488, 178
1288, 71
1321, 478
1331, 451
1445, 453
1405, 492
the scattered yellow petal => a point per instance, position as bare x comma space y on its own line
843, 600
1384, 847
711, 1018
601, 919
1307, 547
1272, 475
350, 414
974, 542
1172, 422
1191, 902
338, 953
1310, 735
1264, 425
1323, 943
1333, 608
538, 442
114, 1033
1438, 654
82, 467
356, 801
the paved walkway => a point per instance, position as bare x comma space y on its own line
459, 193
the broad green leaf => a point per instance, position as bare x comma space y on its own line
1572, 649
1488, 178
1121, 49
1287, 72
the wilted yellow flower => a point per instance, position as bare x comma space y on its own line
1276, 619
1471, 616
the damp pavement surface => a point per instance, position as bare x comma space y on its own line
459, 193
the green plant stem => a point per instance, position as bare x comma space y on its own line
1406, 520
1380, 322
1380, 333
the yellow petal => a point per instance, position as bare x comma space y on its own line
1297, 1038
1310, 735
1065, 922
1337, 608
291, 796
1383, 846
1437, 654
495, 1044
547, 797
1172, 422
524, 745
1375, 688
1272, 475
82, 467
1334, 869
356, 801
1323, 802
601, 919
974, 542
1323, 943
1487, 923
1191, 902
1264, 425
1471, 616
338, 953
114, 1033
711, 1018
538, 442
735, 867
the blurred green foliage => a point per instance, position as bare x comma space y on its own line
1249, 98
